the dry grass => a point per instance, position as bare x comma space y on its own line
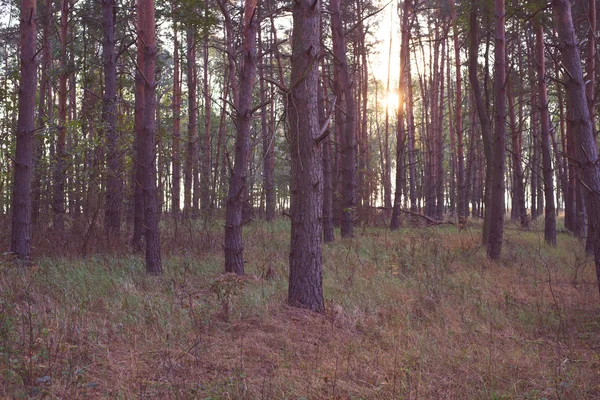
415, 314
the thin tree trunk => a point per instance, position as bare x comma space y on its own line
328, 235
348, 155
517, 154
439, 140
43, 113
549, 210
114, 182
191, 159
401, 130
176, 140
387, 172
498, 191
206, 144
484, 120
61, 156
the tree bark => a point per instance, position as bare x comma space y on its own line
20, 243
497, 200
549, 209
206, 144
587, 151
45, 103
305, 280
484, 120
191, 159
348, 155
401, 129
517, 155
147, 149
234, 248
114, 182
61, 160
176, 140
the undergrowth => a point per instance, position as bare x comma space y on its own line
418, 313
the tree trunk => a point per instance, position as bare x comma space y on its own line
305, 280
191, 159
497, 200
439, 139
176, 158
268, 146
580, 118
484, 120
549, 209
61, 156
401, 131
147, 146
20, 243
45, 102
517, 154
387, 163
348, 155
234, 248
114, 182
328, 234
206, 144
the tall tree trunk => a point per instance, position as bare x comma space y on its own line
484, 120
61, 156
176, 146
45, 101
268, 146
305, 276
401, 130
114, 182
20, 243
461, 204
580, 117
206, 144
191, 159
234, 248
439, 140
387, 163
549, 210
517, 154
590, 92
410, 122
147, 146
498, 192
328, 235
349, 133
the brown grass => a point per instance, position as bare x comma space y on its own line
415, 314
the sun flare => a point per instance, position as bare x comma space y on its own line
391, 100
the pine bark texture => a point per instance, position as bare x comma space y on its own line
348, 155
484, 120
20, 243
497, 199
305, 273
114, 182
234, 248
587, 151
147, 148
176, 140
549, 209
60, 177
401, 127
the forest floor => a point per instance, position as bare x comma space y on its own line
414, 314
